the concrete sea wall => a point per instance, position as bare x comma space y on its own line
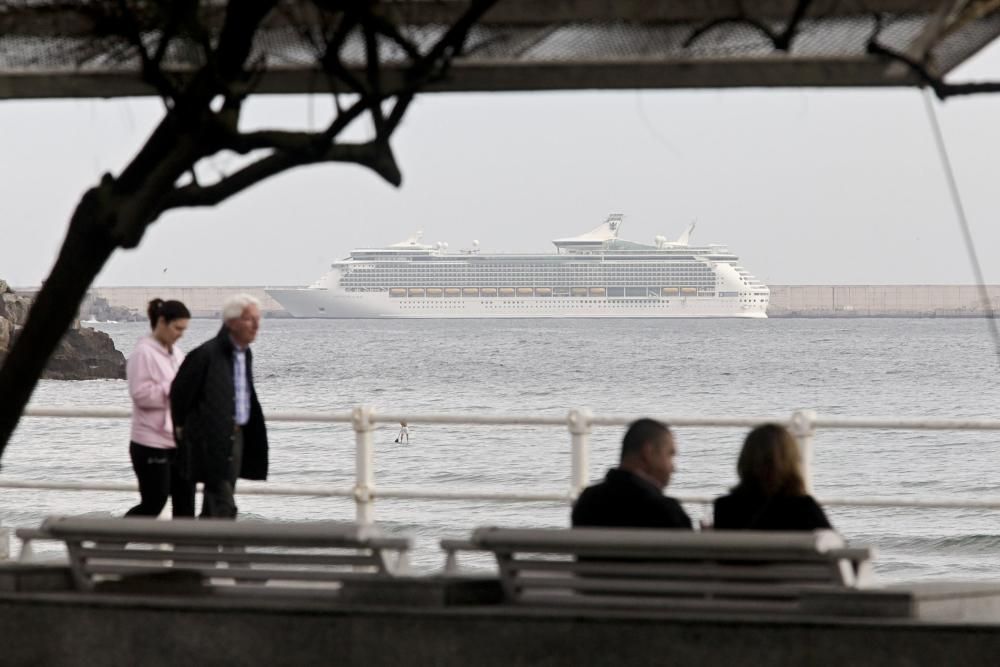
880, 300
79, 629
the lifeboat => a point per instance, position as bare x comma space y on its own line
434, 291
506, 291
578, 291
470, 291
598, 291
525, 291
689, 291
416, 291
669, 291
452, 291
397, 292
488, 291
543, 291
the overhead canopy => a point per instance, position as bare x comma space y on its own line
52, 48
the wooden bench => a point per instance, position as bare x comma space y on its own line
681, 570
223, 554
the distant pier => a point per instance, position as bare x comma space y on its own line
880, 300
786, 300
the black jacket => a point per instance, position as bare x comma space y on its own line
747, 510
202, 405
625, 500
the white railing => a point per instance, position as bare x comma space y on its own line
579, 423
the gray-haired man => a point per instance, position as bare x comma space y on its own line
218, 422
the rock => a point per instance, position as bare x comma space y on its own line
6, 331
14, 308
82, 354
86, 354
98, 309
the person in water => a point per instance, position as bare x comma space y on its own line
771, 494
150, 371
404, 433
631, 495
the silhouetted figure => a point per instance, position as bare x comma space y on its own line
771, 494
631, 495
404, 433
150, 370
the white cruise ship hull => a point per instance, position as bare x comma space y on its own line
338, 304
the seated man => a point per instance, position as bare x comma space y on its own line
631, 495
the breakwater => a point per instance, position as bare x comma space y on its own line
880, 300
786, 300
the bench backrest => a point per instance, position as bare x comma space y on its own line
226, 553
721, 570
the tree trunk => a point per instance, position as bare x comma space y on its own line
84, 252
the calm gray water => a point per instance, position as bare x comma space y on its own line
875, 368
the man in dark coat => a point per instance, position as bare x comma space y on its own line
631, 495
218, 421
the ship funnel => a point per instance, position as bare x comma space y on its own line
686, 236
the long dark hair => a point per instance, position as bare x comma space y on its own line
770, 463
168, 310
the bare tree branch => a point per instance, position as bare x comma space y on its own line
373, 67
782, 41
942, 89
368, 154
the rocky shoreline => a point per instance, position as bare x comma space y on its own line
83, 353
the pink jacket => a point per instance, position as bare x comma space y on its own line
150, 370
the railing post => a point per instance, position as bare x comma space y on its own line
578, 422
803, 427
364, 464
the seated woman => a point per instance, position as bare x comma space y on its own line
771, 494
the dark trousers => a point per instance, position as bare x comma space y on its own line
218, 498
158, 477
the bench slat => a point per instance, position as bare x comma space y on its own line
221, 531
242, 573
814, 572
200, 556
662, 603
659, 587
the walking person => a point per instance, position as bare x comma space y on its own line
218, 422
150, 371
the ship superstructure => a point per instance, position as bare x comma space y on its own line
595, 274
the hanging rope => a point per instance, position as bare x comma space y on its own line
963, 223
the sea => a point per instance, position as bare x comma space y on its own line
887, 368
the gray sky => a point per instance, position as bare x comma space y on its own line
818, 186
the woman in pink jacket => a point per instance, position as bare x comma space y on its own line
150, 370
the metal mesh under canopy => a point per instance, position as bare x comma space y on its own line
62, 49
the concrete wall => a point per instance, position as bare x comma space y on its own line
879, 300
201, 301
57, 629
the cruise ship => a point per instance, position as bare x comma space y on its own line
595, 274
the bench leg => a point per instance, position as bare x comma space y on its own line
26, 554
451, 562
402, 563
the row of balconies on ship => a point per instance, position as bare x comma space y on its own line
505, 292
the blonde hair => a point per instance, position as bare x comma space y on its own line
770, 462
